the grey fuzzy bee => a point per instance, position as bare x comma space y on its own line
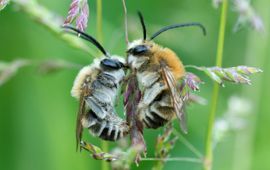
96, 87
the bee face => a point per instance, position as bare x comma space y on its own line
139, 51
140, 48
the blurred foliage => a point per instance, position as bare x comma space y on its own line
37, 113
164, 145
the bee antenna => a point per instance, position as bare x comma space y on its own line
143, 25
88, 38
178, 26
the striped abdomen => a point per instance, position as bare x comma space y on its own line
101, 118
155, 108
110, 128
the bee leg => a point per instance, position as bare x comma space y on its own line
94, 104
142, 107
152, 118
150, 94
121, 134
148, 114
89, 120
102, 126
87, 123
110, 129
147, 124
142, 110
116, 132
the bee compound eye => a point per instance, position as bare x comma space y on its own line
111, 64
139, 50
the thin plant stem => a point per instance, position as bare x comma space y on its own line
99, 21
178, 159
194, 67
211, 120
191, 147
126, 21
104, 144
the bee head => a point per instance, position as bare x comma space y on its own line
140, 48
144, 47
111, 64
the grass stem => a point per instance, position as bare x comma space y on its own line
125, 20
211, 120
184, 159
191, 147
99, 21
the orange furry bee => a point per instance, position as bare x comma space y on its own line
96, 86
158, 70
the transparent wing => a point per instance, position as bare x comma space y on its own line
178, 102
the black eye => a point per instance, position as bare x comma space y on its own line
139, 50
111, 64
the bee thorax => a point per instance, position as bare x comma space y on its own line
83, 74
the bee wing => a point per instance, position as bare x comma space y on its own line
81, 112
178, 102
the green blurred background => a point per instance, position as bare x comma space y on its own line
37, 113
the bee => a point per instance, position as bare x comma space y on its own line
96, 87
158, 70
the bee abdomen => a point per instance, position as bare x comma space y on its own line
159, 113
154, 121
110, 128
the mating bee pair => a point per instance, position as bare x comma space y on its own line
158, 71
